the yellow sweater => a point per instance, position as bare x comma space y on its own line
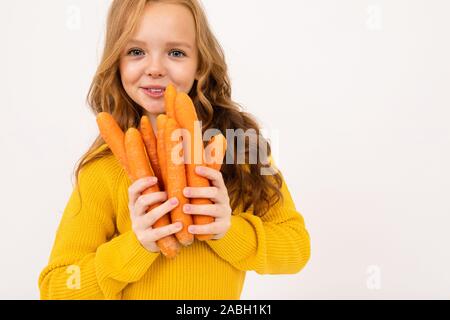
97, 256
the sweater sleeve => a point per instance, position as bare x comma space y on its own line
276, 243
87, 261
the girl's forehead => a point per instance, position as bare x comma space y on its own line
169, 23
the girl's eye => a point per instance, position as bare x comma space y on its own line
139, 52
180, 52
133, 51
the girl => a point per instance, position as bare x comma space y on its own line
105, 246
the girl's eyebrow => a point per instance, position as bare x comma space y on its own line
171, 43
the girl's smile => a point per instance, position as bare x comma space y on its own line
154, 92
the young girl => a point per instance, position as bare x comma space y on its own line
105, 246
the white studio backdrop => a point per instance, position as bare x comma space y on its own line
355, 94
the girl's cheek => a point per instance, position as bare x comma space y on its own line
130, 73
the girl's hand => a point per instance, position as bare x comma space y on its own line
220, 209
141, 221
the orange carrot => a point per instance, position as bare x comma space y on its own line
169, 97
218, 144
148, 135
176, 181
161, 123
140, 168
186, 116
114, 138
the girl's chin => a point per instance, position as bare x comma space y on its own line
154, 109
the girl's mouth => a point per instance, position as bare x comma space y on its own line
154, 93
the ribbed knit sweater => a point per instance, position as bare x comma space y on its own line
95, 244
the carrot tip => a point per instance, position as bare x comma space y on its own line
185, 239
170, 253
186, 243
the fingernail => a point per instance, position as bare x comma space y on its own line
178, 225
187, 192
191, 229
173, 201
187, 208
153, 179
200, 170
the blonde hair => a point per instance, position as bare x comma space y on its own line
211, 94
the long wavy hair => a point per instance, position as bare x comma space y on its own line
211, 95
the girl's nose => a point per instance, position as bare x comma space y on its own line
155, 74
155, 68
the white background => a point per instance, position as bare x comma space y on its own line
356, 90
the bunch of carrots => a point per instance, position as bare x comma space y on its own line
143, 154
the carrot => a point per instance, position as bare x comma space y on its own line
148, 135
114, 138
186, 116
140, 168
169, 97
161, 123
218, 144
176, 182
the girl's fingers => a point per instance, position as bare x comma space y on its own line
154, 215
202, 192
159, 233
211, 228
138, 187
213, 175
202, 209
144, 201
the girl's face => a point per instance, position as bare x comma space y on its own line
162, 51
